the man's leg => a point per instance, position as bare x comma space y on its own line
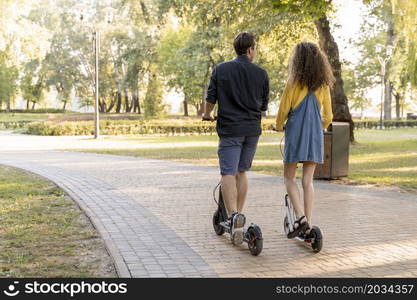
229, 192
229, 154
242, 189
245, 163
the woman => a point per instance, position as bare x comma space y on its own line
306, 94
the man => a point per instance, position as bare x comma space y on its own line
241, 90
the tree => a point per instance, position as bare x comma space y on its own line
356, 85
33, 83
315, 11
205, 37
184, 63
8, 81
340, 106
153, 99
390, 26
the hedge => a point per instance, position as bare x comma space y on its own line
125, 127
385, 124
37, 110
13, 124
162, 127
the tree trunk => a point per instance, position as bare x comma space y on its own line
119, 98
139, 110
101, 106
27, 104
340, 106
135, 93
8, 109
200, 109
397, 105
112, 104
388, 83
387, 99
135, 100
33, 105
185, 102
127, 103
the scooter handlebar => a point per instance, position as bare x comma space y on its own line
209, 119
275, 129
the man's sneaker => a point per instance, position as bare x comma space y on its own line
236, 230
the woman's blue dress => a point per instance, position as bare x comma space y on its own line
304, 132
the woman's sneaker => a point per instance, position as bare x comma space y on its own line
236, 229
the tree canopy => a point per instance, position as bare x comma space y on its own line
153, 46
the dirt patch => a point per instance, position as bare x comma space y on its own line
388, 188
94, 251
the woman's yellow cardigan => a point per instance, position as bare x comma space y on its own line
294, 95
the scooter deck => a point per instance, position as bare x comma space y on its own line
227, 229
301, 239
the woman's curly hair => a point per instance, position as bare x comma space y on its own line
310, 67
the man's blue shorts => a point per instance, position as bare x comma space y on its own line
236, 153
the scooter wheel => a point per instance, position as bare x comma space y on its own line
317, 243
217, 218
255, 241
286, 225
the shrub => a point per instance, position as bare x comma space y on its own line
385, 124
164, 127
126, 127
13, 124
37, 110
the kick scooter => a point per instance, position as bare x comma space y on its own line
315, 237
252, 236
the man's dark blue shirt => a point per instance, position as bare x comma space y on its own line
241, 89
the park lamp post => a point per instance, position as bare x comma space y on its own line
383, 59
84, 14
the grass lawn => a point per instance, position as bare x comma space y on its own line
387, 157
44, 234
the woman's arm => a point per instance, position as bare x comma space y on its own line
284, 107
327, 108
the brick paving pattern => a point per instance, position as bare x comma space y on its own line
155, 217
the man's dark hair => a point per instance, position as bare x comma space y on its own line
243, 41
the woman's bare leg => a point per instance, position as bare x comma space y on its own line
307, 180
292, 188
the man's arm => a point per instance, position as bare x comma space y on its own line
211, 97
208, 108
265, 94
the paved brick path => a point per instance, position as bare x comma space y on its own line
155, 217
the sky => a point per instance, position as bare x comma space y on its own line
349, 16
